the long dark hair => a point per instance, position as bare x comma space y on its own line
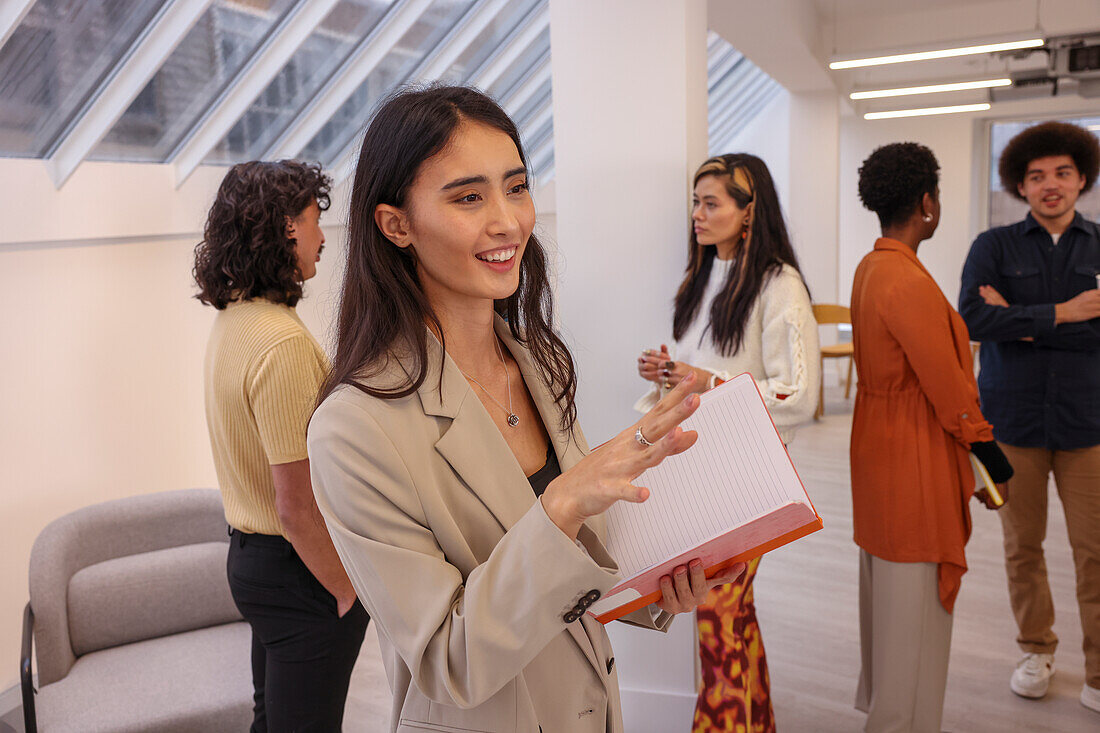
245, 252
764, 252
382, 306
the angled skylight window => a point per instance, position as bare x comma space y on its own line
428, 30
55, 60
300, 78
526, 113
502, 71
489, 41
198, 72
737, 91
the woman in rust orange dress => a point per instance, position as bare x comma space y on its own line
916, 418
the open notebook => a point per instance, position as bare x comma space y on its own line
732, 496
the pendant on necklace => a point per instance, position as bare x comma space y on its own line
513, 420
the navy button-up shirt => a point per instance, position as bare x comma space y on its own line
1044, 392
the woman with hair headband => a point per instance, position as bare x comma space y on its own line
445, 452
263, 370
742, 307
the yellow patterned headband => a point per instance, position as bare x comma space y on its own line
739, 175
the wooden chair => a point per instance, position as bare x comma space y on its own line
828, 314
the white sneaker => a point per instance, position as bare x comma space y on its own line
1032, 675
1090, 698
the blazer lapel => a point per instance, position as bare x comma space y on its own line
478, 453
472, 444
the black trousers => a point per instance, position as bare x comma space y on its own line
302, 652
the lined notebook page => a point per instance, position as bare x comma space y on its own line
736, 471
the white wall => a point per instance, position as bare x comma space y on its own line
630, 128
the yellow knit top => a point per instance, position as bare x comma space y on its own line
262, 372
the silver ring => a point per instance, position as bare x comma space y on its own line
641, 438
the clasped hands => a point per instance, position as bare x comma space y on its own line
656, 365
606, 476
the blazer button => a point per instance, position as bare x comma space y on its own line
571, 617
592, 596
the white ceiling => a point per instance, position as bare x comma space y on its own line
828, 10
793, 40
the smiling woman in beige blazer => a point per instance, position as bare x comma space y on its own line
445, 455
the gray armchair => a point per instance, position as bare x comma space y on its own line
132, 620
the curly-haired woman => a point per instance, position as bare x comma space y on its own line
916, 418
263, 370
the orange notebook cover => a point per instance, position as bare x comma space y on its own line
732, 496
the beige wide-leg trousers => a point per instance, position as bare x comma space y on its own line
905, 641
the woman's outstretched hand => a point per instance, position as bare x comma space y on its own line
605, 476
688, 586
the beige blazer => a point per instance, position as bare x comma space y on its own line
466, 578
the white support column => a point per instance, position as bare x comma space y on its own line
125, 83
347, 78
630, 127
249, 83
12, 13
811, 208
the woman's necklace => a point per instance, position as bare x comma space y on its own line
513, 419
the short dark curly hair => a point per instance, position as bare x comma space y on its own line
1044, 140
245, 252
894, 178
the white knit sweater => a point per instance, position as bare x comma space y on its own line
780, 348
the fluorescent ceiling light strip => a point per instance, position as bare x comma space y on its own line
941, 54
926, 111
1094, 128
931, 89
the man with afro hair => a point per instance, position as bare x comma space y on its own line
1031, 294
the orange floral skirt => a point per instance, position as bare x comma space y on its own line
735, 671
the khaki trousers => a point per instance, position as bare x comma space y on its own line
905, 644
1024, 519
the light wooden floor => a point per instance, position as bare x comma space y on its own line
806, 600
